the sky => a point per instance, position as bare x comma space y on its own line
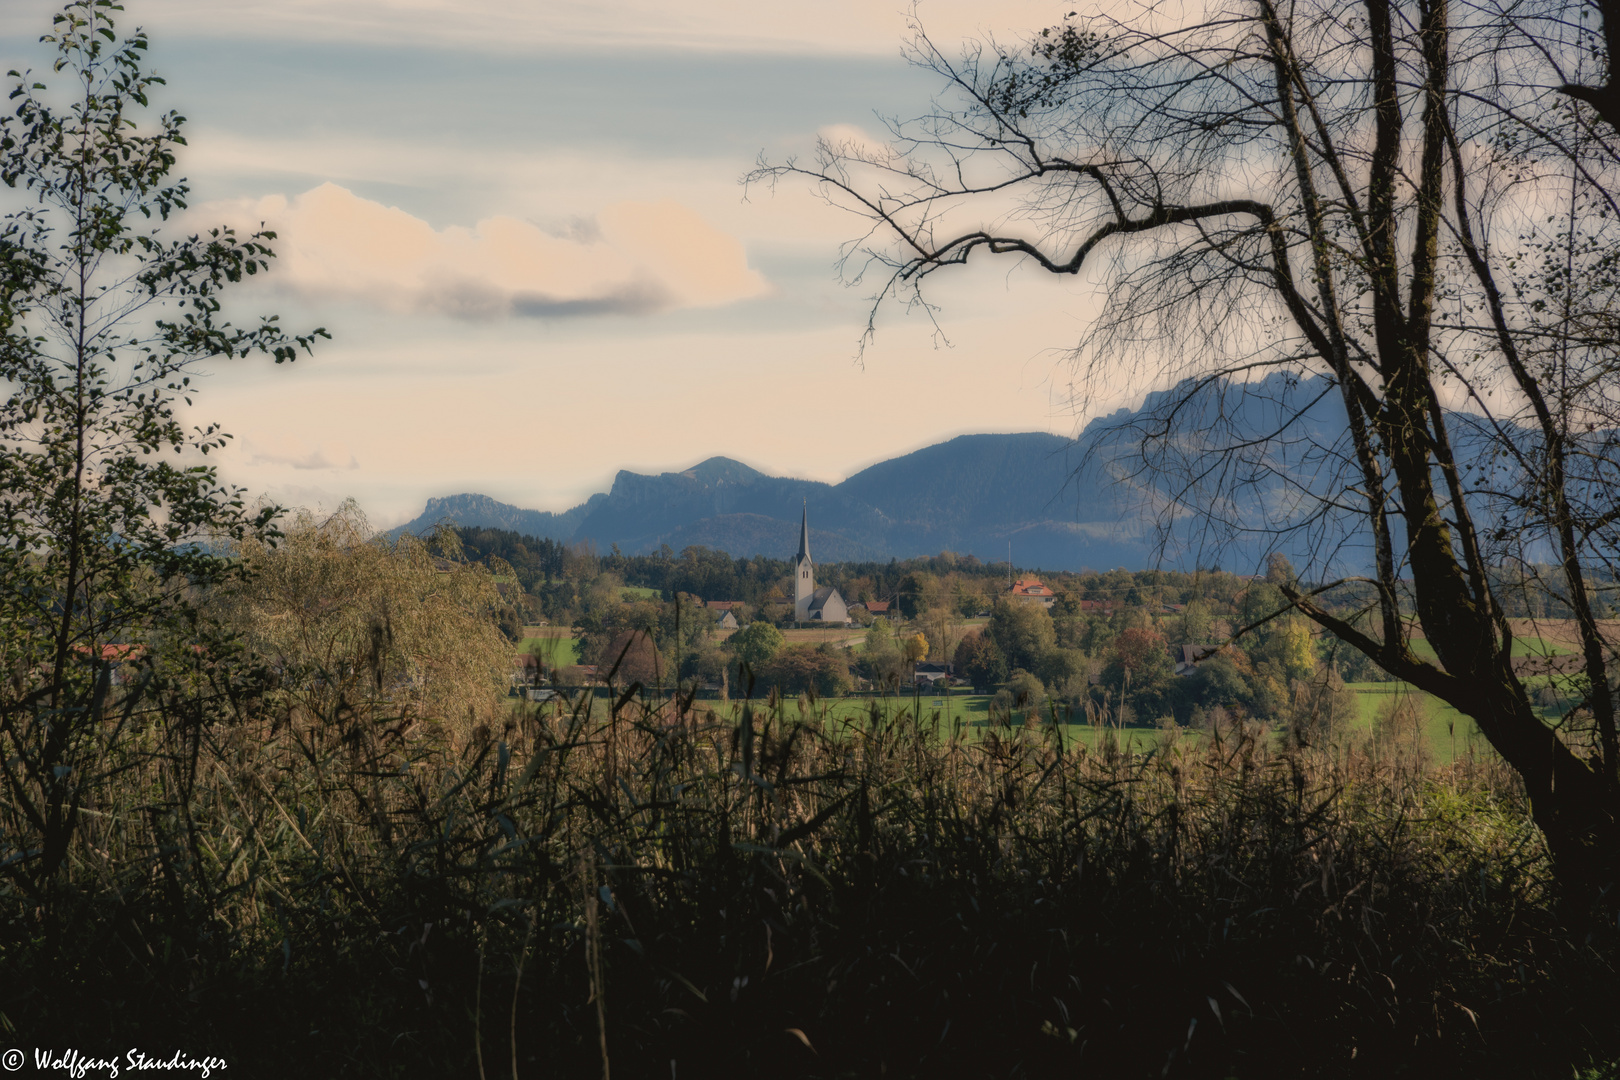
523, 225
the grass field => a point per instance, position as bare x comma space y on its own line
836, 635
554, 645
1522, 646
1447, 732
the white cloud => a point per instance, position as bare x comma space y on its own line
822, 26
631, 258
290, 453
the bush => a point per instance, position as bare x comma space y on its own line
808, 669
1023, 696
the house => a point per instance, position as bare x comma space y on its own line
724, 619
1031, 591
928, 673
526, 669
878, 607
811, 604
1099, 607
119, 658
1188, 657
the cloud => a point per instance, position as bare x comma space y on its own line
289, 452
824, 27
631, 258
850, 139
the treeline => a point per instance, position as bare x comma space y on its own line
1136, 646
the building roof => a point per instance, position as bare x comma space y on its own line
723, 605
1030, 587
878, 607
819, 598
804, 534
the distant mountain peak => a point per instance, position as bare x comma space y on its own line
971, 494
723, 470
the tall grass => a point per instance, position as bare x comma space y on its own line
669, 888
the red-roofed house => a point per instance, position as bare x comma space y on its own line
1031, 591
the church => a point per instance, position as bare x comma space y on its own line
810, 604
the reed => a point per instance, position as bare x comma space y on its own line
656, 886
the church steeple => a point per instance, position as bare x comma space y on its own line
804, 577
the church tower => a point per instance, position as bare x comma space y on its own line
804, 576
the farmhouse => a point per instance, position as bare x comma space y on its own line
1031, 591
811, 604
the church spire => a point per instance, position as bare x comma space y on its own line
804, 577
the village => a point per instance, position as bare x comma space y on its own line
986, 645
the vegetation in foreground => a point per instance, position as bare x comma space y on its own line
751, 890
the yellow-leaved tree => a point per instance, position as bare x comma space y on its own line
347, 620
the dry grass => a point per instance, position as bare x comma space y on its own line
757, 889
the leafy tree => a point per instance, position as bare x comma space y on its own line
632, 657
108, 511
344, 617
916, 648
801, 669
980, 661
1064, 668
1023, 632
1023, 695
1140, 666
1195, 622
557, 600
756, 643
880, 635
1219, 682
1393, 212
918, 591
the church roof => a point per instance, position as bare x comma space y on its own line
804, 535
819, 598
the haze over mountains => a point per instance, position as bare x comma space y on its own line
972, 495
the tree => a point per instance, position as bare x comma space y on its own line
980, 662
1023, 692
1404, 217
1023, 632
801, 669
347, 619
109, 513
1140, 665
756, 643
632, 657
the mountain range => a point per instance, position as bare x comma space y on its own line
975, 494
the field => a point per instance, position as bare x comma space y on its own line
834, 635
554, 645
1447, 733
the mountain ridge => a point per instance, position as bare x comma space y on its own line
1062, 504
969, 494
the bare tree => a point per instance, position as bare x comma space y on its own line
1371, 248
